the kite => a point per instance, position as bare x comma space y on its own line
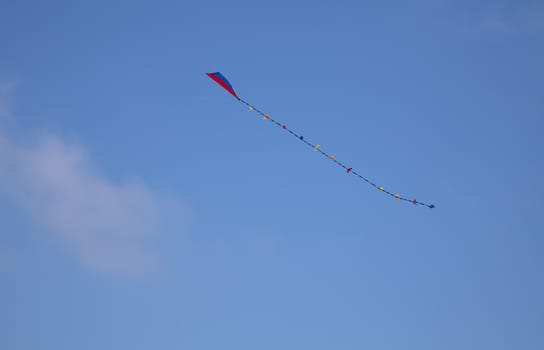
221, 80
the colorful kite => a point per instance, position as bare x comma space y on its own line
221, 80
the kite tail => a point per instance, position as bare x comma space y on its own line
331, 157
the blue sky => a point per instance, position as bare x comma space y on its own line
142, 207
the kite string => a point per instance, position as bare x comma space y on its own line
317, 148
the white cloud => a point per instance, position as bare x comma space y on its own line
107, 226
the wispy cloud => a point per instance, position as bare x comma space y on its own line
108, 226
500, 17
